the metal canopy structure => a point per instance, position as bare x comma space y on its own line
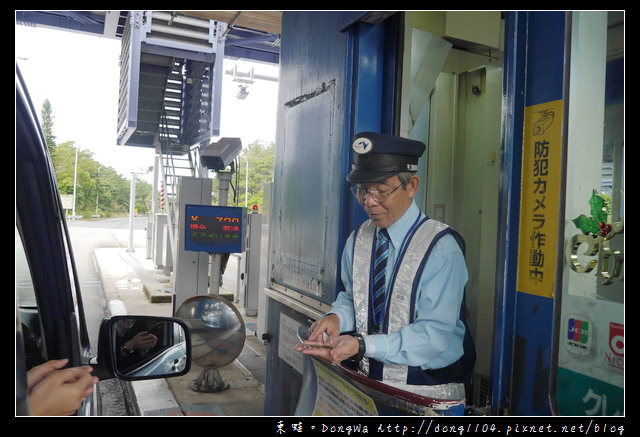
253, 35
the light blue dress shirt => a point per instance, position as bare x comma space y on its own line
434, 339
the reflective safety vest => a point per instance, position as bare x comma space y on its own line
400, 309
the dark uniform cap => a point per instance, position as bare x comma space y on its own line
379, 156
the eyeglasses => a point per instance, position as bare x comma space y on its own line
361, 193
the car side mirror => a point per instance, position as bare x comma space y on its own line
143, 347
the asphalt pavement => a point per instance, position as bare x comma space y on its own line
134, 285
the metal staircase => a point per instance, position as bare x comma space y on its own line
170, 83
171, 77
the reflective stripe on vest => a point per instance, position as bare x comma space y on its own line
403, 287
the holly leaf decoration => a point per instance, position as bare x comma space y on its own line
599, 207
586, 224
600, 210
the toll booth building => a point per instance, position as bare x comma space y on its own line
522, 115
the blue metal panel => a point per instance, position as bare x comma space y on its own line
614, 91
375, 78
334, 82
368, 84
332, 76
534, 73
531, 365
367, 91
309, 169
509, 201
545, 53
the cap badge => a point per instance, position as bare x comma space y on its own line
362, 145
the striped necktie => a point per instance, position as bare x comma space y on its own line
379, 268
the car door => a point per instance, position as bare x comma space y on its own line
49, 317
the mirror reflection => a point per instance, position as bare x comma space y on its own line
216, 327
148, 346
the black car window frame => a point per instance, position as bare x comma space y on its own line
41, 223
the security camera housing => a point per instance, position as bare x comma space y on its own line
217, 156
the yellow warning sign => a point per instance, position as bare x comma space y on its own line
337, 397
540, 198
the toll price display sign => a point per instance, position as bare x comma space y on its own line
214, 229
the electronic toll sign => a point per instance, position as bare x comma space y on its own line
215, 229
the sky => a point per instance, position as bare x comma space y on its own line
79, 75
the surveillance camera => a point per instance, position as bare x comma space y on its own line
217, 156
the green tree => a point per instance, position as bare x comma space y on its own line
47, 125
112, 192
99, 188
260, 157
64, 163
143, 196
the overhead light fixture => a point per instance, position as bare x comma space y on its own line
243, 93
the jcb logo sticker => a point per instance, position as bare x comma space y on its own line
578, 334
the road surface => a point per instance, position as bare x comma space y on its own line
86, 236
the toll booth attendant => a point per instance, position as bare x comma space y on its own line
401, 313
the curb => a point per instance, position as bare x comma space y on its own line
148, 395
